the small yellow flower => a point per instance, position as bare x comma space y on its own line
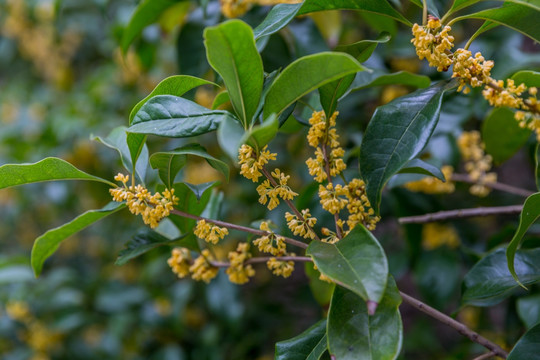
270, 243
300, 227
238, 272
477, 163
435, 235
270, 194
433, 42
280, 268
210, 233
432, 185
202, 270
333, 199
180, 261
252, 163
359, 207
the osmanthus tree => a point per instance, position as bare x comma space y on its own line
334, 241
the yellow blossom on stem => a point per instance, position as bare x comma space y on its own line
299, 227
270, 194
279, 267
202, 270
210, 233
435, 235
333, 199
359, 207
474, 71
270, 243
180, 261
238, 272
433, 42
477, 163
432, 185
331, 236
501, 95
252, 163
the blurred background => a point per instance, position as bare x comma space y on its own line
64, 81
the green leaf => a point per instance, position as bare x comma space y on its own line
231, 50
353, 334
501, 121
396, 134
260, 135
190, 203
169, 163
381, 7
176, 85
229, 136
144, 241
332, 92
522, 18
490, 281
432, 9
277, 19
529, 78
528, 309
310, 344
363, 49
172, 116
200, 189
147, 12
305, 75
48, 243
356, 262
529, 214
220, 99
121, 141
537, 166
417, 166
460, 4
368, 79
527, 347
48, 169
321, 290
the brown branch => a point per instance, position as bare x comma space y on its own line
238, 227
485, 356
262, 259
496, 186
461, 213
461, 328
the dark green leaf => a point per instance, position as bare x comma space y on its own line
176, 85
460, 4
189, 203
529, 78
48, 243
277, 19
260, 135
381, 7
231, 51
200, 189
305, 75
321, 290
48, 169
147, 12
537, 167
529, 214
367, 79
356, 262
310, 344
490, 281
417, 166
528, 309
141, 243
229, 136
332, 92
501, 121
527, 347
172, 116
363, 49
396, 134
353, 334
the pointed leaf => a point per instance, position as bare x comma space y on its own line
529, 214
278, 17
137, 146
220, 99
310, 344
396, 134
305, 75
172, 116
189, 203
200, 189
48, 169
332, 92
356, 262
353, 334
229, 136
176, 85
48, 243
527, 347
417, 166
231, 50
490, 281
528, 309
460, 4
260, 135
373, 78
363, 49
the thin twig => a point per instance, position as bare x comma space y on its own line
496, 186
461, 213
461, 328
263, 259
238, 227
485, 356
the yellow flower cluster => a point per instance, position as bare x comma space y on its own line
252, 163
435, 235
270, 243
202, 269
331, 236
474, 71
279, 267
300, 227
530, 119
152, 207
432, 185
477, 163
268, 191
236, 8
238, 271
333, 199
359, 207
210, 233
180, 261
433, 42
322, 135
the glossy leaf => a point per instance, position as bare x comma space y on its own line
172, 116
141, 243
305, 75
396, 134
120, 141
220, 99
277, 19
461, 4
529, 78
231, 50
353, 334
310, 344
260, 135
527, 347
48, 169
501, 121
48, 243
381, 7
363, 49
537, 166
147, 12
528, 309
529, 214
332, 92
321, 290
176, 85
490, 281
373, 78
189, 202
357, 262
417, 166
229, 136
200, 189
